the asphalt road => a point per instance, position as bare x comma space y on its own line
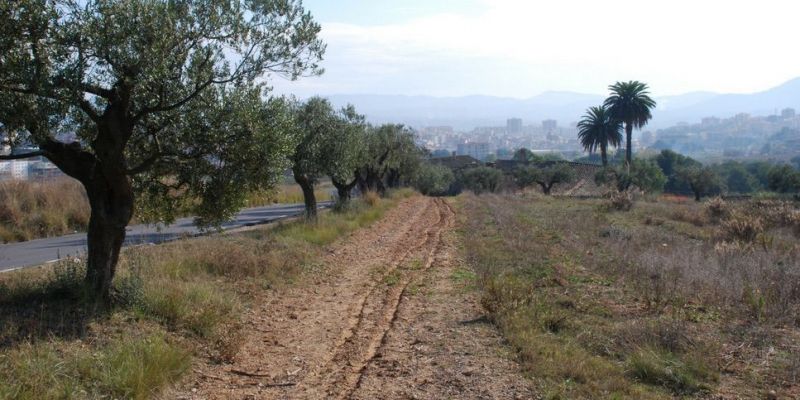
40, 251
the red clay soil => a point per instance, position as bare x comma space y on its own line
384, 318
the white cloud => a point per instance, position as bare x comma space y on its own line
580, 45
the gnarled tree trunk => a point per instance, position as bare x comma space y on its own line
344, 189
310, 200
111, 200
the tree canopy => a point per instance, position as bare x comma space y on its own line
546, 176
598, 130
630, 103
150, 97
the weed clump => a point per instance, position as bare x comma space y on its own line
742, 228
621, 201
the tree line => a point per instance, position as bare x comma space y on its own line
161, 107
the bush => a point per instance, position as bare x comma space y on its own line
621, 201
644, 174
481, 179
434, 180
742, 228
717, 209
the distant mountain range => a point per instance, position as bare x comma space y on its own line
566, 107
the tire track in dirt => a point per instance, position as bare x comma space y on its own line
331, 336
295, 332
378, 314
440, 345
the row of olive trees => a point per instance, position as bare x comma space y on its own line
159, 107
154, 105
340, 145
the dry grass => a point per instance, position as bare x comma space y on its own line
651, 303
30, 210
287, 193
177, 300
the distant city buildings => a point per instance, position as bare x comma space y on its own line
514, 125
549, 125
34, 168
788, 113
476, 150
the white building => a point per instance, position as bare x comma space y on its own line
476, 150
14, 169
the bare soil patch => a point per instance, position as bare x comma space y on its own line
383, 318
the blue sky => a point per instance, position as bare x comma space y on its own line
520, 48
381, 12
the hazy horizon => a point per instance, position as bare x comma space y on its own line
518, 49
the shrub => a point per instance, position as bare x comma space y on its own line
644, 174
433, 180
481, 179
717, 209
743, 228
621, 201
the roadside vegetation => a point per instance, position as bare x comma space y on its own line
170, 303
32, 210
672, 299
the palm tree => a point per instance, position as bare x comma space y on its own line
630, 103
597, 130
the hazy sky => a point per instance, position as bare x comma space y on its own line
519, 48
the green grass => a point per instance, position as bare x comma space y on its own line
127, 367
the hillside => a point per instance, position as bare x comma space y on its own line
566, 107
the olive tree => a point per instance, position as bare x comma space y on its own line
348, 143
701, 180
390, 156
327, 146
545, 176
149, 98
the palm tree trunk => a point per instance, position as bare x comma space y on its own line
628, 148
603, 153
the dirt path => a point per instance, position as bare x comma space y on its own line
386, 320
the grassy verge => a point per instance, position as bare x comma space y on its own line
669, 300
172, 302
32, 210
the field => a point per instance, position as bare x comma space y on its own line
490, 296
670, 299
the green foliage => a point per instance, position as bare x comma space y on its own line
630, 103
390, 157
644, 174
183, 108
433, 180
597, 130
702, 181
544, 176
661, 368
328, 141
737, 178
784, 179
670, 162
480, 180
